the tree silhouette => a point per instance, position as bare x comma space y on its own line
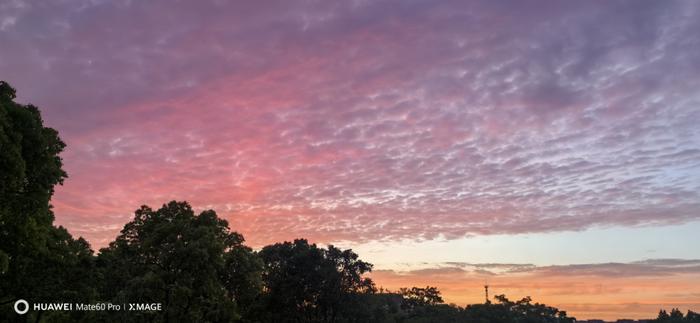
305, 283
676, 316
187, 262
37, 260
523, 310
415, 297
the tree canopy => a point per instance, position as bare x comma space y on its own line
37, 260
181, 259
305, 283
676, 316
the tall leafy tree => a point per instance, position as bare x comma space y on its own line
187, 262
38, 261
30, 167
305, 283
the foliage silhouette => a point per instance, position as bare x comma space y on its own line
37, 260
182, 260
415, 297
676, 316
305, 283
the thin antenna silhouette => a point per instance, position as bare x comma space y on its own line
486, 291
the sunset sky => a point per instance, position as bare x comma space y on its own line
551, 148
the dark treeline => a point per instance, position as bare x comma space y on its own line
676, 316
192, 264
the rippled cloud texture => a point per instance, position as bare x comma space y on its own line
367, 120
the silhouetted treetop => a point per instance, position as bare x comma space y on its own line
187, 261
676, 316
38, 261
310, 284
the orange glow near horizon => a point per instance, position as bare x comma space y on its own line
583, 297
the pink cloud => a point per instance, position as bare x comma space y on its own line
366, 121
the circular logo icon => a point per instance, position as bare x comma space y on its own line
18, 305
